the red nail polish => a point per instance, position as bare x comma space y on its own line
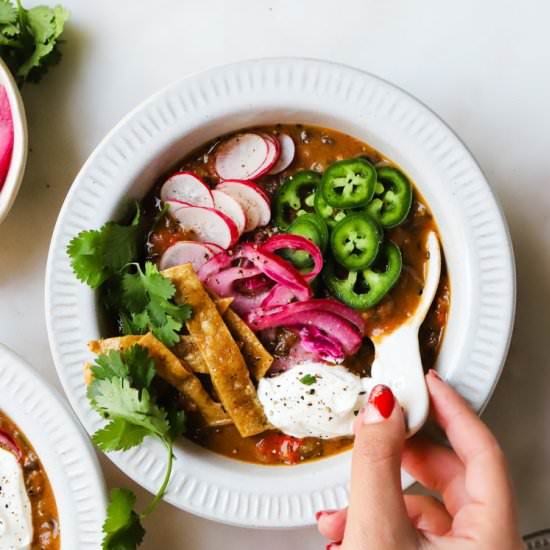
382, 398
435, 374
332, 545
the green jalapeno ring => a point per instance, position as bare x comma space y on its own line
318, 222
305, 228
374, 283
393, 197
355, 241
348, 183
293, 196
329, 214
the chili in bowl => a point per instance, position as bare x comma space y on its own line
240, 241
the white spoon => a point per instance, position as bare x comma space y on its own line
397, 361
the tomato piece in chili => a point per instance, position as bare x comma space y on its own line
279, 448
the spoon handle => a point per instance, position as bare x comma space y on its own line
396, 350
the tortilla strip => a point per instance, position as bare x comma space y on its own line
112, 344
171, 369
226, 365
186, 349
223, 304
257, 357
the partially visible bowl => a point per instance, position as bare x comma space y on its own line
63, 448
14, 177
194, 110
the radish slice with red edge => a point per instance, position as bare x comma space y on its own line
252, 198
187, 187
245, 156
230, 207
288, 150
208, 224
174, 205
184, 252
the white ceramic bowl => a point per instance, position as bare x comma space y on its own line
63, 448
199, 107
14, 177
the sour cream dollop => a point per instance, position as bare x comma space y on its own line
314, 400
16, 529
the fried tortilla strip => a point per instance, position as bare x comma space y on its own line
223, 304
171, 369
226, 365
257, 357
187, 350
112, 344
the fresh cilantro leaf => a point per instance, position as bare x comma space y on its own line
99, 254
140, 366
119, 435
133, 363
177, 421
8, 14
308, 379
122, 527
30, 39
110, 365
146, 295
116, 399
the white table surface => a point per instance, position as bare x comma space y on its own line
483, 66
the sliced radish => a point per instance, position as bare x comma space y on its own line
253, 200
174, 205
187, 187
6, 135
246, 156
185, 252
208, 224
231, 207
288, 150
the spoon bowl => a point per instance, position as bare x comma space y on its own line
397, 362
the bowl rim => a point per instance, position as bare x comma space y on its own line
63, 448
240, 91
16, 171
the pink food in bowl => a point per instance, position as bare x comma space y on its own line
6, 135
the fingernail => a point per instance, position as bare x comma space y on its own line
321, 513
380, 405
434, 373
332, 546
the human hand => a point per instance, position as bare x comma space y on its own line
478, 510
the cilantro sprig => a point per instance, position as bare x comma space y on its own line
142, 299
30, 39
146, 296
308, 379
99, 254
121, 391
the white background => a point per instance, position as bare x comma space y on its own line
483, 66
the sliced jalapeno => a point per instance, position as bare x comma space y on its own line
355, 241
309, 230
364, 289
318, 222
295, 195
392, 198
329, 214
349, 183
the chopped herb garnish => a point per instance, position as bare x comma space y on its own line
308, 379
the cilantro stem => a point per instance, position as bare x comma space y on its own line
158, 497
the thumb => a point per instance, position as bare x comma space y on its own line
377, 516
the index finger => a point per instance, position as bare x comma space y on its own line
487, 479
